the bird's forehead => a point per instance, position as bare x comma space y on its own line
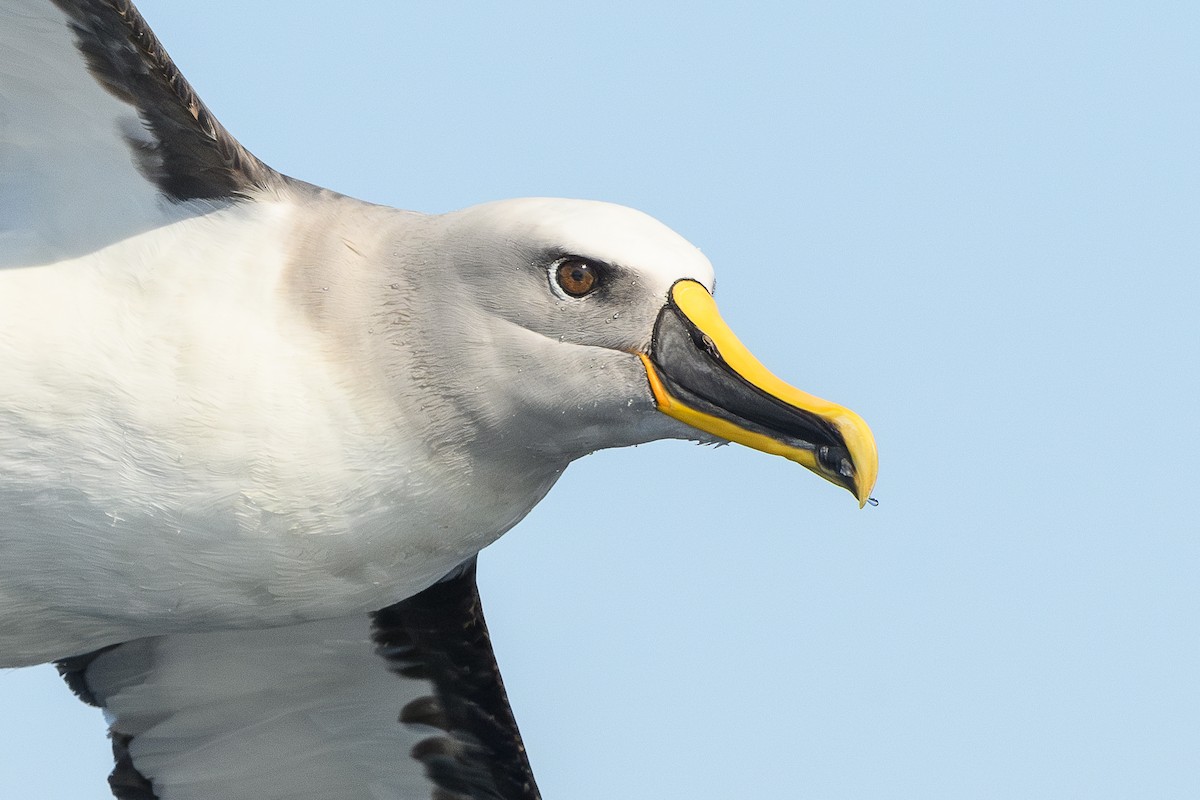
607, 232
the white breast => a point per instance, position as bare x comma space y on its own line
179, 449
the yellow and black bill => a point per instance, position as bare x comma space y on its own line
702, 375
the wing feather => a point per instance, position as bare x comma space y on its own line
101, 138
189, 154
406, 703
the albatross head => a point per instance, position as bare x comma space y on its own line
577, 325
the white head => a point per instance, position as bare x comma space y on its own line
558, 327
571, 380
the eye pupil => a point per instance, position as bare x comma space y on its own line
577, 277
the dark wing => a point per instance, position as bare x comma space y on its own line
404, 703
190, 155
99, 133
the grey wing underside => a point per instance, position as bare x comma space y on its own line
404, 703
101, 138
190, 155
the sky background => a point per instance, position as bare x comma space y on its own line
973, 223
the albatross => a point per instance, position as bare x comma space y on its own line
253, 433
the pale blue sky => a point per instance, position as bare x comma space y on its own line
973, 223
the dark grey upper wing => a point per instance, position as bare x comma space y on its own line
406, 703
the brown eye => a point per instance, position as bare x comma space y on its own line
577, 277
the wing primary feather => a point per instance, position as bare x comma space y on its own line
74, 671
442, 633
407, 701
191, 156
125, 780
